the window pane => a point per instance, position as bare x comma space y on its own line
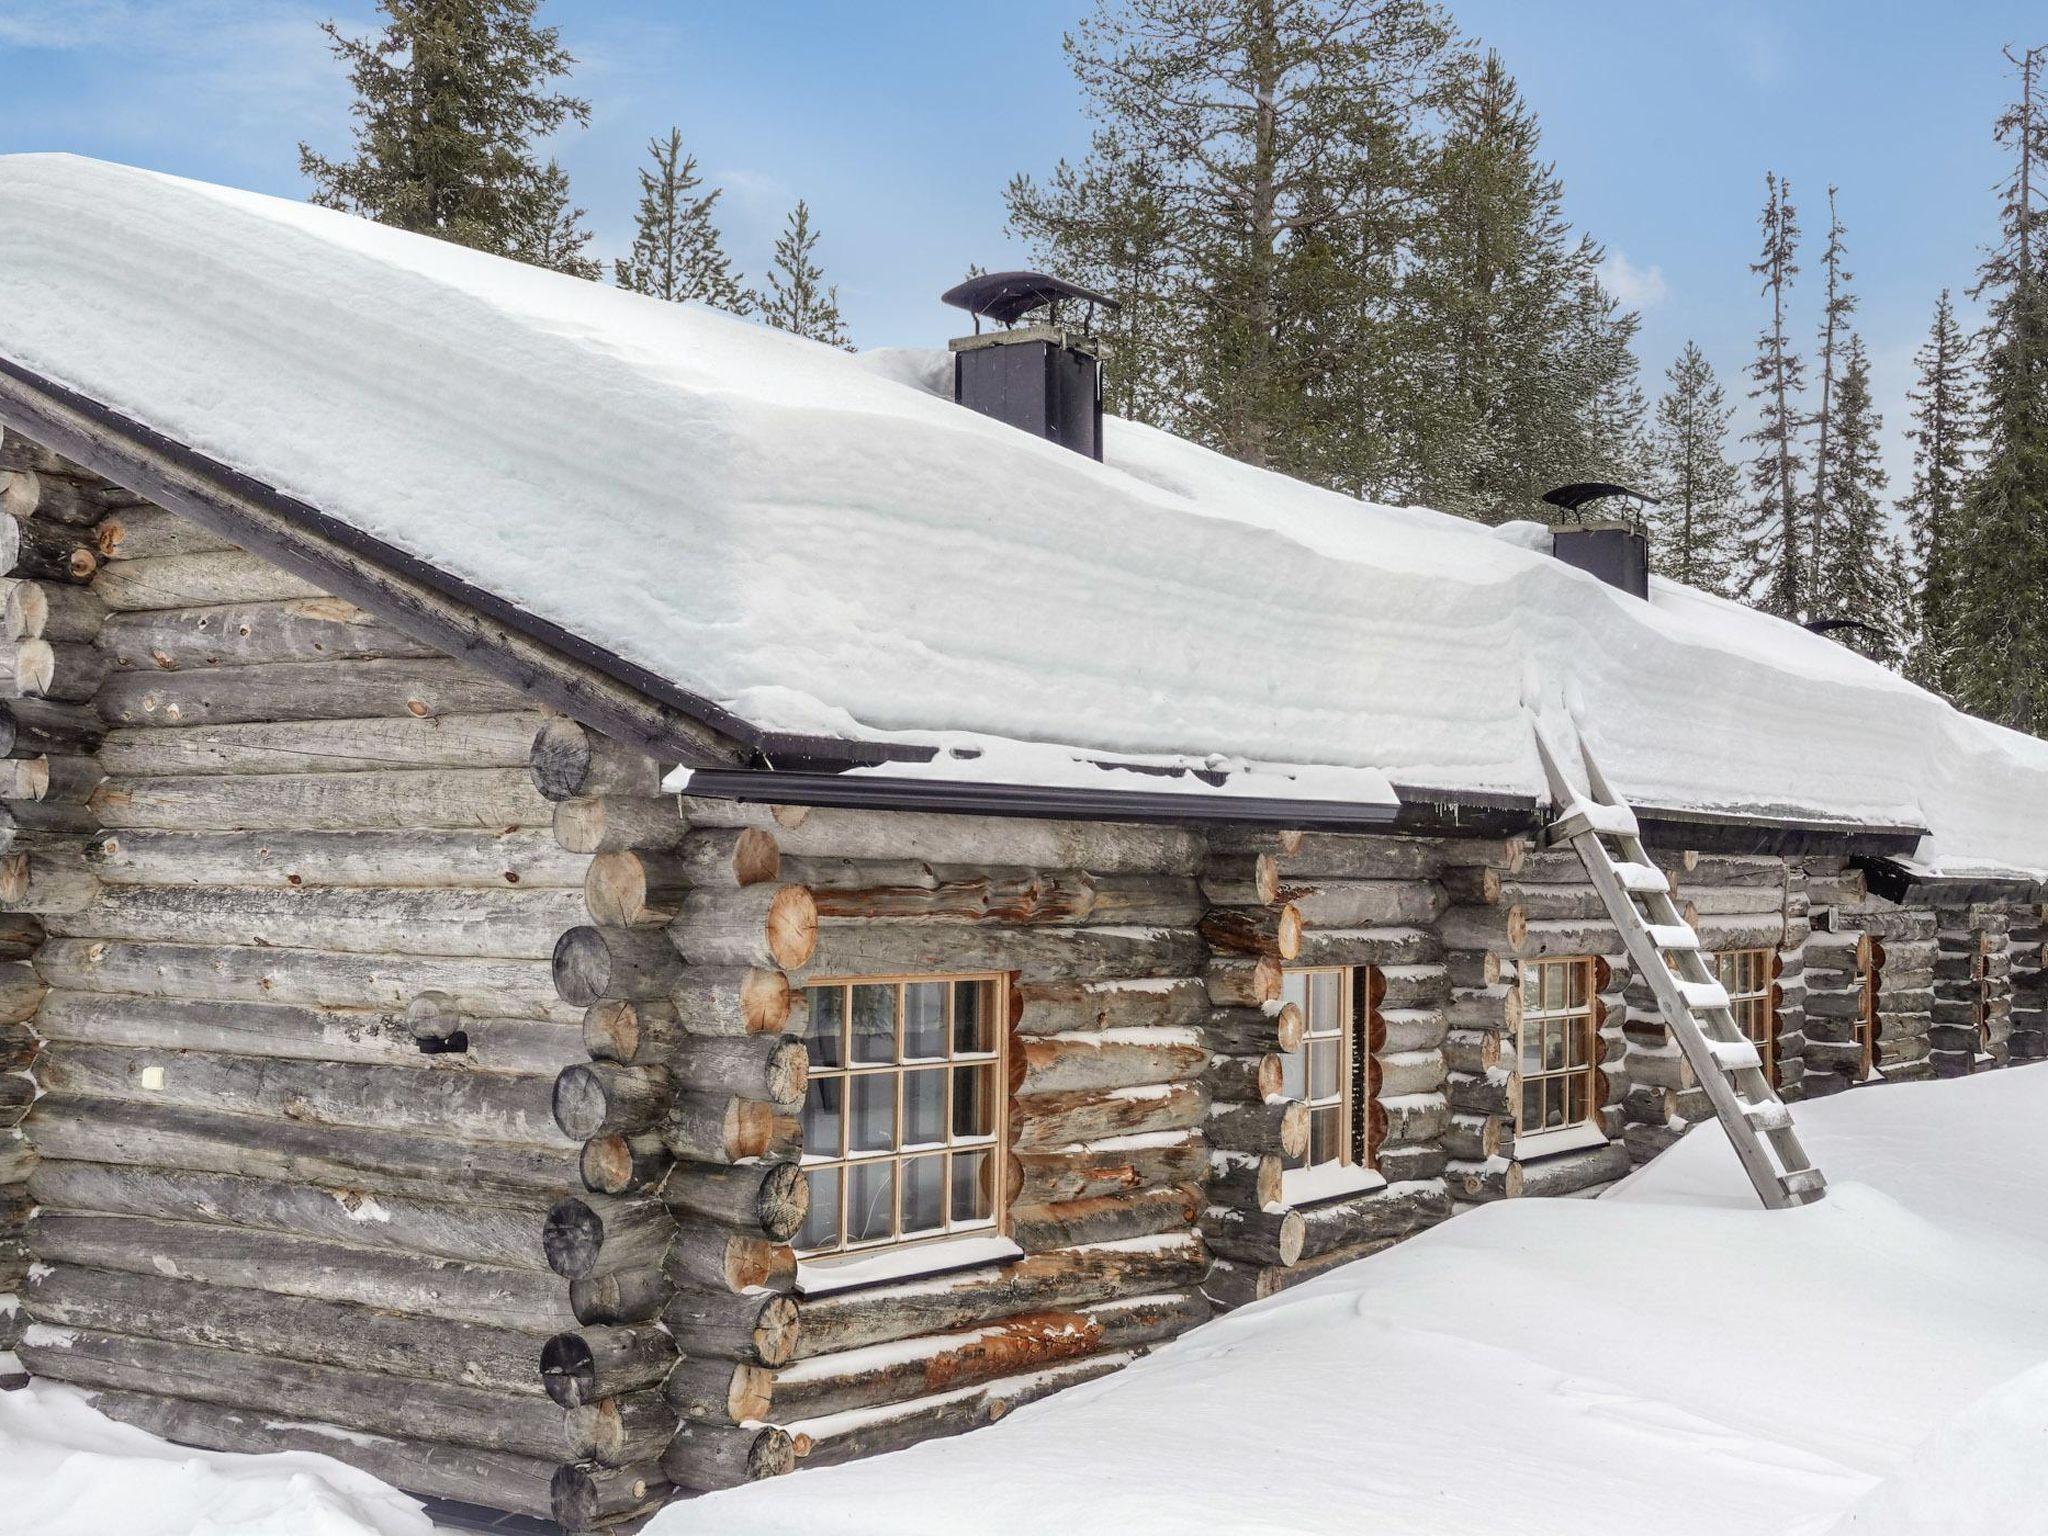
1324, 1011
1325, 1127
1532, 1046
972, 1199
1532, 1105
826, 1020
1553, 1045
924, 1107
973, 1016
874, 1112
1576, 1032
870, 1201
1294, 1074
1294, 989
1532, 987
924, 1019
1553, 987
924, 1194
974, 1101
824, 1116
1580, 978
1322, 1068
874, 1023
1576, 1108
821, 1224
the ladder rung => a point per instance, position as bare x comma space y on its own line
1673, 937
1610, 820
1734, 1055
1771, 1115
1642, 879
1703, 994
1806, 1181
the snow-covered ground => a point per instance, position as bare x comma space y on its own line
1669, 1357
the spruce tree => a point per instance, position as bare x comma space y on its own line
450, 97
1944, 428
1854, 577
1695, 526
1838, 304
677, 253
550, 233
1775, 545
1999, 655
797, 298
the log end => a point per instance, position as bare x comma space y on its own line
568, 1369
785, 1200
792, 926
581, 1103
572, 1236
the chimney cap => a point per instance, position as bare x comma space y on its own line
1006, 297
1573, 498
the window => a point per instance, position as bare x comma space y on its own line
902, 1120
1866, 1019
1560, 1056
1322, 1072
1746, 976
1980, 996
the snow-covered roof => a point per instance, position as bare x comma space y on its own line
818, 544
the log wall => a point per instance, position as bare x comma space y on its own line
1972, 1005
291, 1022
2029, 935
1855, 934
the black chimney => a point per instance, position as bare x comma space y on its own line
1041, 377
1615, 550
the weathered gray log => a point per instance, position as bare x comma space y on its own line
1242, 983
316, 690
618, 1431
146, 1133
1045, 1282
591, 964
194, 581
1373, 946
570, 761
734, 1000
1105, 1218
495, 740
495, 799
773, 1068
427, 1468
646, 885
619, 1297
506, 924
459, 1105
136, 533
1387, 1212
1245, 1079
1022, 898
21, 991
1255, 1236
755, 1199
615, 823
1274, 1026
1274, 931
461, 1227
34, 550
52, 612
312, 629
625, 1165
588, 1364
601, 1098
1055, 1006
1100, 847
714, 1391
357, 1400
51, 883
584, 1496
710, 1456
587, 1235
758, 1326
1069, 954
1056, 1119
69, 670
1241, 879
716, 1128
1098, 1060
766, 925
491, 1295
1261, 1127
45, 727
635, 1032
1248, 1180
61, 492
701, 811
1362, 903
260, 1322
1107, 1168
526, 859
713, 1258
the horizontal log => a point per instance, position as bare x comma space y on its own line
427, 1468
36, 550
1362, 903
460, 1227
734, 1000
357, 1338
356, 1400
195, 581
277, 1262
502, 924
618, 1297
1247, 1180
1242, 982
771, 1068
1273, 1026
302, 630
1281, 1127
1120, 1165
1354, 856
761, 1327
584, 1495
1057, 1119
1021, 898
1272, 931
597, 1098
58, 669
138, 532
47, 727
499, 988
461, 1105
590, 1235
1104, 1059
647, 887
494, 799
1388, 1212
754, 1199
147, 1132
1055, 1006
524, 859
712, 1258
591, 964
619, 1431
616, 823
1377, 947
39, 611
569, 761
316, 690
496, 740
1103, 848
1255, 1236
587, 1364
1064, 1280
711, 1456
624, 1165
1240, 879
1245, 1079
768, 925
68, 779
21, 991
1105, 1218
1071, 954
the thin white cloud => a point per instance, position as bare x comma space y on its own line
1634, 287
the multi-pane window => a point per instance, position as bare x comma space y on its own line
1322, 1070
1559, 1048
1980, 996
903, 1115
1745, 974
1866, 1017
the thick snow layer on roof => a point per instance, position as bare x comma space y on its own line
819, 544
1670, 1357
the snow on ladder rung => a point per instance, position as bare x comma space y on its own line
1771, 1115
1642, 879
1734, 1055
1703, 994
1803, 1181
1673, 936
1610, 820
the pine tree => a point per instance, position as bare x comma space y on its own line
1838, 305
1854, 578
1775, 546
1944, 428
450, 98
550, 233
677, 253
1999, 658
1694, 527
797, 298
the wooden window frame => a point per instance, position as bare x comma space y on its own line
1354, 983
1585, 1018
1757, 1001
1871, 954
1980, 992
994, 1144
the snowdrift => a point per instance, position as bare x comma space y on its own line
819, 544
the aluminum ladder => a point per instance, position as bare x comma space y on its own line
1666, 953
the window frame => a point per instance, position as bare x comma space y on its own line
1570, 1133
1355, 1168
1765, 994
1980, 992
995, 1143
1871, 953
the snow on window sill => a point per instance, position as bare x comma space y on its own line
819, 1277
1326, 1181
1573, 1138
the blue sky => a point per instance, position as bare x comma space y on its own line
901, 121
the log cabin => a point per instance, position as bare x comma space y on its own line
601, 902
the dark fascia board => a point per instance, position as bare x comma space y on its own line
1896, 883
1789, 836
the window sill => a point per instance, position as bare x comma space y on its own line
918, 1261
1574, 1138
1307, 1186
